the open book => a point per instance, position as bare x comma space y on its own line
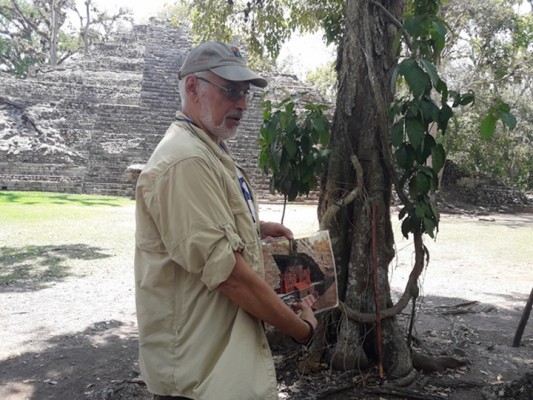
302, 269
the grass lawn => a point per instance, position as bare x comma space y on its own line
45, 237
41, 206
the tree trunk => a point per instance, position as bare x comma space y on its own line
364, 68
54, 32
85, 28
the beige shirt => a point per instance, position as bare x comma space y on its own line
191, 217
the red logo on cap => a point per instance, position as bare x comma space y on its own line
236, 52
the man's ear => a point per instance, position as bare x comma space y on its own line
191, 86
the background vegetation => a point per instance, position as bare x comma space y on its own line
38, 33
489, 50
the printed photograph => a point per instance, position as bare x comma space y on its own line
302, 269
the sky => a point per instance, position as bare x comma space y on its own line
142, 9
303, 53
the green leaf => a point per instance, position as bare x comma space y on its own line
438, 34
415, 132
305, 144
290, 146
429, 144
324, 137
420, 210
508, 119
504, 107
429, 227
442, 88
431, 70
422, 183
428, 171
429, 109
417, 80
413, 25
397, 134
488, 126
404, 158
445, 114
467, 98
408, 226
318, 124
435, 213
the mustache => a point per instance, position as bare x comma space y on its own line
235, 114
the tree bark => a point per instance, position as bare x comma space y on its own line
364, 68
54, 31
85, 28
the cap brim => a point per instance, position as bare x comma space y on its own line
240, 74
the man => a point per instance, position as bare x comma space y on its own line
200, 293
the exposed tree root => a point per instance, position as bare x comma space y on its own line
404, 380
388, 389
427, 363
455, 383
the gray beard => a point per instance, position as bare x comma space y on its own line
217, 131
220, 131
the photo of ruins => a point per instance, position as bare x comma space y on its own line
302, 269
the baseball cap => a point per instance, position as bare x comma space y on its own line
222, 59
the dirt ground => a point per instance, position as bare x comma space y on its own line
76, 338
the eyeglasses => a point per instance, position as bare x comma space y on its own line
233, 93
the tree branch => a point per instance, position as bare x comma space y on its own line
332, 210
29, 22
391, 17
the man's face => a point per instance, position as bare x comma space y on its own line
220, 115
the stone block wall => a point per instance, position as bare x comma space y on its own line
81, 126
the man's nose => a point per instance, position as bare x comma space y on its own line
242, 103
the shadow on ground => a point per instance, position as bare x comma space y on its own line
97, 363
35, 267
100, 362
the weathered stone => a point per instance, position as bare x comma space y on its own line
81, 126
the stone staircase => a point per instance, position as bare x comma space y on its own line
79, 127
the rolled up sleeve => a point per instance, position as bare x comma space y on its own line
196, 221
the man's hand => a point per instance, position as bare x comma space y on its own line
273, 229
306, 313
248, 290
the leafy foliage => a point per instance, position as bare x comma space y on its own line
23, 42
425, 111
36, 32
491, 53
324, 80
267, 23
484, 46
293, 146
